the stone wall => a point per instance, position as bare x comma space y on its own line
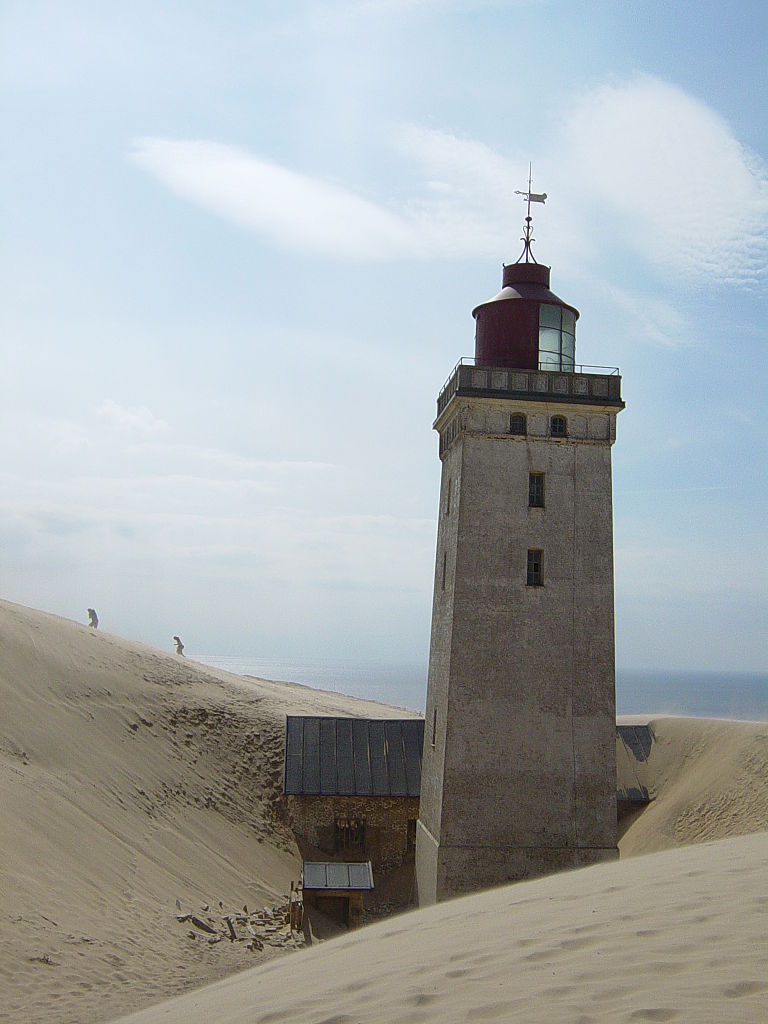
388, 837
519, 765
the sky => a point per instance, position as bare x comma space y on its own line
241, 245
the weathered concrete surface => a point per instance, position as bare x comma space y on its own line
521, 779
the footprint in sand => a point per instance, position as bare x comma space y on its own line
581, 943
272, 1017
558, 991
666, 967
542, 954
489, 1010
654, 1013
588, 928
357, 986
744, 988
484, 958
422, 999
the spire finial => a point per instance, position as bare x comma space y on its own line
527, 238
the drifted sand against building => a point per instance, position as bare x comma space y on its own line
130, 779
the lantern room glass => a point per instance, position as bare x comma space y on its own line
557, 338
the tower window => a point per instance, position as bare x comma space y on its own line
448, 498
434, 726
536, 490
518, 424
445, 566
535, 578
558, 426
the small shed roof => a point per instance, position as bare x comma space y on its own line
320, 874
353, 756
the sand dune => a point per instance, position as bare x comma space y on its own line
674, 936
709, 779
130, 779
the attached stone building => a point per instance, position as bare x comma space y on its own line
352, 787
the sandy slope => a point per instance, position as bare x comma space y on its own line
674, 936
130, 779
678, 935
709, 779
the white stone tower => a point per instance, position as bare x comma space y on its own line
519, 763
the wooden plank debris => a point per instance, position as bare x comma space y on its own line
203, 925
268, 926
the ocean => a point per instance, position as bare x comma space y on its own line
707, 694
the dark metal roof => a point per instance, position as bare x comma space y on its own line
638, 738
527, 281
327, 875
530, 292
382, 757
353, 756
633, 744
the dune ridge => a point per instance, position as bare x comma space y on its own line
131, 778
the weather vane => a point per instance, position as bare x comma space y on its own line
527, 238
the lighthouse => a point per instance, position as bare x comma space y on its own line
519, 761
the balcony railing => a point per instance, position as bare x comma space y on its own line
595, 385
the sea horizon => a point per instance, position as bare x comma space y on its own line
703, 693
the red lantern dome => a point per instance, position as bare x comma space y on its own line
526, 326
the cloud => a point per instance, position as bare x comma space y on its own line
652, 319
469, 202
638, 165
294, 210
212, 525
452, 218
137, 420
664, 172
244, 466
